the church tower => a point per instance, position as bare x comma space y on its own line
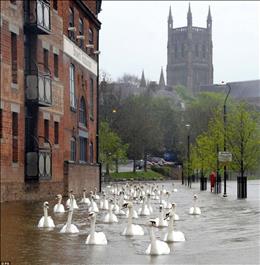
189, 54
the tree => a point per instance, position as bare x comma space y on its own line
111, 146
243, 139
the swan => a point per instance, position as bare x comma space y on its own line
195, 210
68, 202
117, 209
95, 238
93, 206
160, 222
84, 199
59, 208
144, 210
167, 205
46, 221
131, 229
156, 247
69, 227
103, 205
175, 216
161, 201
171, 235
110, 217
174, 189
96, 197
148, 203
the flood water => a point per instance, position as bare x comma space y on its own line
227, 232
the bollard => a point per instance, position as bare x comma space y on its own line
203, 183
217, 188
241, 187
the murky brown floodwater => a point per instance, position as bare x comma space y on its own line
227, 232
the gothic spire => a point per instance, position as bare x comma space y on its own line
189, 16
143, 82
161, 81
209, 19
170, 18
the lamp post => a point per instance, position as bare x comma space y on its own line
188, 154
225, 136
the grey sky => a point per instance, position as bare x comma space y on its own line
134, 36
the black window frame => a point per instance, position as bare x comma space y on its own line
83, 149
73, 149
83, 112
56, 132
56, 65
46, 130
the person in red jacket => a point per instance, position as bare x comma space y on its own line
212, 180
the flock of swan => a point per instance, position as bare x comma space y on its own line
121, 200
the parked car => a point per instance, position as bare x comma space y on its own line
139, 164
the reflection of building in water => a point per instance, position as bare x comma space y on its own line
49, 95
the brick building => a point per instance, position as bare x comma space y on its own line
49, 97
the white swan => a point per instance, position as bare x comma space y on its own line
85, 199
103, 204
93, 206
156, 247
96, 197
149, 204
59, 208
175, 216
95, 238
144, 210
110, 217
171, 235
117, 209
161, 201
69, 227
68, 202
131, 229
160, 222
46, 221
168, 205
195, 210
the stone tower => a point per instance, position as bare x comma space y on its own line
189, 54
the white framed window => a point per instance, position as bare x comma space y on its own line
72, 87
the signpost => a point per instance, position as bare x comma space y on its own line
224, 157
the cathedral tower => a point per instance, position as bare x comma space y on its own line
189, 54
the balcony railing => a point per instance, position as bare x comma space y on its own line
37, 16
39, 87
39, 161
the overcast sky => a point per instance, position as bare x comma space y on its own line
133, 36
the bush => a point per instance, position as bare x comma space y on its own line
139, 175
165, 170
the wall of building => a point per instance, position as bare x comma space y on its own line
14, 185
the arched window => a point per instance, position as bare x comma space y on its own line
72, 149
82, 112
81, 33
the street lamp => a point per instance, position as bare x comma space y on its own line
188, 154
225, 135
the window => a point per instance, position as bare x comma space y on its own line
72, 87
46, 130
1, 123
14, 57
197, 50
204, 51
91, 98
83, 148
183, 50
55, 4
90, 36
46, 60
81, 33
91, 158
56, 65
82, 81
56, 132
82, 112
15, 137
71, 24
72, 149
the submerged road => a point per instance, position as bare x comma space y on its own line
227, 232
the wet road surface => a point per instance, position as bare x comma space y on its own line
227, 232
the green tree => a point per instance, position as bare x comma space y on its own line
111, 147
243, 139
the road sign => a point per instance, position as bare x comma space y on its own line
224, 156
